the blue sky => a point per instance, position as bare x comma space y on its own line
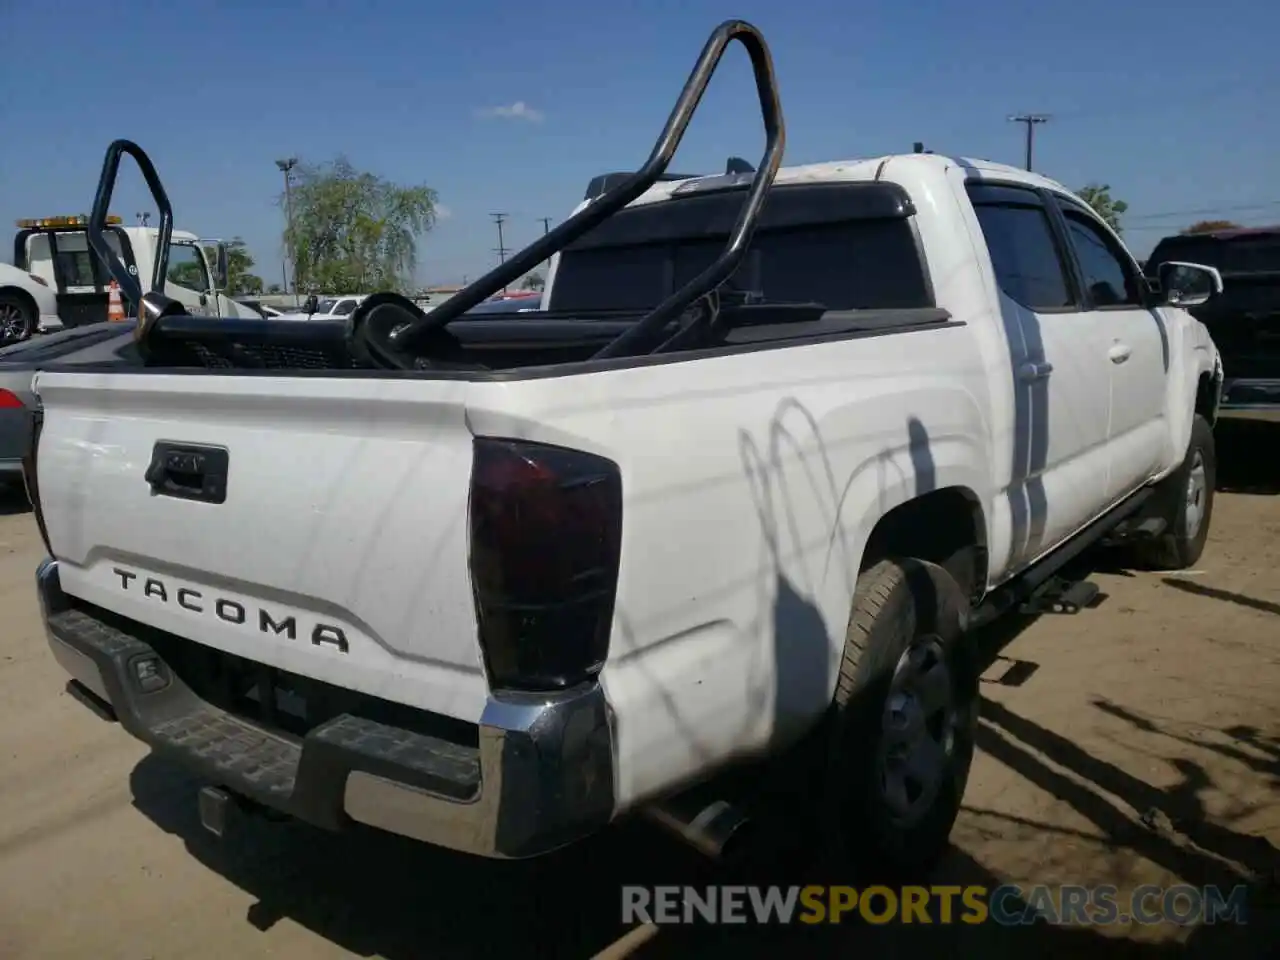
1173, 104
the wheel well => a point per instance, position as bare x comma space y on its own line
27, 300
1207, 397
945, 527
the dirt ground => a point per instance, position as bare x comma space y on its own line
1136, 742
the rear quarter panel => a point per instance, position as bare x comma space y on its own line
751, 484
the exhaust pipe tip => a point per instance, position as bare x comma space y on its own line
714, 830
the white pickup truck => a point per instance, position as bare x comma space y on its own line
746, 484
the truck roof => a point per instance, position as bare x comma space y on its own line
925, 165
1230, 233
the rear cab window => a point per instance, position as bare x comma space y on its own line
62, 258
846, 246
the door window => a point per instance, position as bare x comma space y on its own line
1023, 255
187, 267
1107, 278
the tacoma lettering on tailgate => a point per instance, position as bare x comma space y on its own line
230, 611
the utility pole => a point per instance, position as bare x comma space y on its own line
285, 167
1030, 119
546, 228
499, 219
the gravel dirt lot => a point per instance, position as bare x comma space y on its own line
1137, 742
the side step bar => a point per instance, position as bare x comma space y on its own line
1035, 583
1059, 595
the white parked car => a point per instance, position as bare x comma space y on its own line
26, 304
327, 308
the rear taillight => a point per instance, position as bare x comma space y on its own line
546, 533
30, 478
10, 400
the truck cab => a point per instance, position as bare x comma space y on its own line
56, 250
1244, 318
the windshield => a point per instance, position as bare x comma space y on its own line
62, 258
839, 246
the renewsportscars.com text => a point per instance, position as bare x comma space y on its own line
1007, 905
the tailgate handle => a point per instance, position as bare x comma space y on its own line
189, 472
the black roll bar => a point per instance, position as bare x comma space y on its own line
130, 285
405, 337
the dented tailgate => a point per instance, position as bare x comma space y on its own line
315, 524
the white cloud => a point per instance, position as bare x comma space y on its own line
514, 111
443, 212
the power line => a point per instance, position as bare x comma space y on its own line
1147, 103
1032, 120
1203, 211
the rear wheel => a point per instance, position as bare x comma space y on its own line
1186, 505
17, 318
906, 711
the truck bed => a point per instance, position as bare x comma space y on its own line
345, 511
496, 349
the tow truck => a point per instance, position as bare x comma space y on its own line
55, 251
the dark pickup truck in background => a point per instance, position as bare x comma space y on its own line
1244, 319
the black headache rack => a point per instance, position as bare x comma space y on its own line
388, 331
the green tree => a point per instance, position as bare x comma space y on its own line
1210, 226
354, 231
1098, 196
241, 281
533, 281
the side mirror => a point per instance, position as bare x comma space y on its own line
1187, 284
312, 304
221, 269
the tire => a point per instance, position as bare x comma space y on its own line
1186, 529
17, 318
907, 614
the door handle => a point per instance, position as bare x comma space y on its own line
1035, 371
1119, 352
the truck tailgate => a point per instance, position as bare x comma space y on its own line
338, 551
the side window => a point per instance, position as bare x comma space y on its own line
344, 307
187, 267
1024, 256
1107, 277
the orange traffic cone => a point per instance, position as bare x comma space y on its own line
115, 306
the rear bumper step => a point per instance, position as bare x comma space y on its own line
540, 777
